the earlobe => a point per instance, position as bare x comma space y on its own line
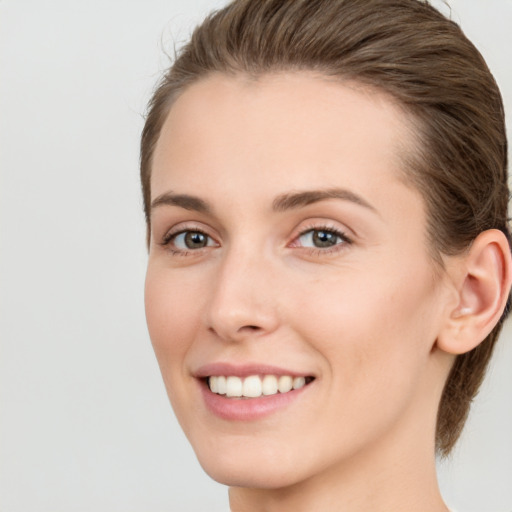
482, 280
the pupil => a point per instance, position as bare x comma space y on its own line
194, 240
324, 238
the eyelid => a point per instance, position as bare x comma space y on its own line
322, 225
184, 227
311, 225
326, 225
210, 242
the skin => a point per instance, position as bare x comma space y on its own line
362, 316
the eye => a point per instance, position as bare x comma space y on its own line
322, 238
189, 240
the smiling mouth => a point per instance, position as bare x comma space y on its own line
255, 386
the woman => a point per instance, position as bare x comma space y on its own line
329, 262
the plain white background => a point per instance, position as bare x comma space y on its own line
85, 423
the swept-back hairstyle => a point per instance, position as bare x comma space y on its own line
423, 61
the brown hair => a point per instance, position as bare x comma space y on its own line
409, 50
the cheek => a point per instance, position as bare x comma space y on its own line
372, 329
171, 314
375, 344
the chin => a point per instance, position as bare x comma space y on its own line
250, 477
265, 469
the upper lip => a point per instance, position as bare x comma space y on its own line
244, 370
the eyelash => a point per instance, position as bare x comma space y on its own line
345, 240
172, 235
318, 251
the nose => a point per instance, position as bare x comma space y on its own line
243, 300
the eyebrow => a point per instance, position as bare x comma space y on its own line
281, 203
185, 201
299, 199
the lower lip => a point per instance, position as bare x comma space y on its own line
248, 409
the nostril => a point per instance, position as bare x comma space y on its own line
241, 330
250, 328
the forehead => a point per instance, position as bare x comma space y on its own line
280, 127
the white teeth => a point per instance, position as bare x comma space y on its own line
233, 386
221, 385
285, 384
254, 386
214, 386
299, 382
269, 385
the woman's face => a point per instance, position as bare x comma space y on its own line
286, 247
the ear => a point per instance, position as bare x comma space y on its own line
482, 280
